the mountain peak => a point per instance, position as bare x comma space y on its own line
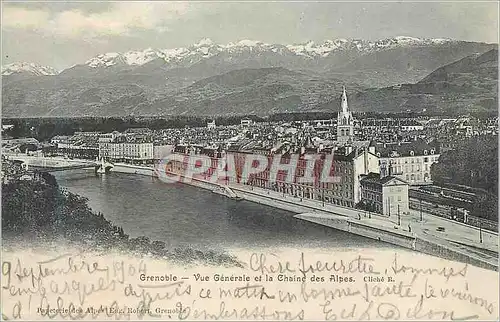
414, 40
406, 38
249, 43
204, 42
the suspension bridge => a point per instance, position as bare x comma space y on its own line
53, 164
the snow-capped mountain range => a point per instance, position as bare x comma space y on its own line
30, 68
248, 77
206, 48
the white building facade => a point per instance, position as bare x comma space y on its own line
410, 162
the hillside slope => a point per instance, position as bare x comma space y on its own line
467, 85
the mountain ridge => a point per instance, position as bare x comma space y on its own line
208, 48
467, 85
238, 82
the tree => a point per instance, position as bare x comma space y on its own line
474, 163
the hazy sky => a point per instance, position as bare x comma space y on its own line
61, 34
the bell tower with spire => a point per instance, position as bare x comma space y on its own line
345, 121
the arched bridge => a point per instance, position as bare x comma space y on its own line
52, 164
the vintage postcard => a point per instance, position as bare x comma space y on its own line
253, 160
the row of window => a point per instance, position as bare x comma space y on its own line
345, 132
372, 187
371, 196
409, 160
412, 153
417, 177
418, 168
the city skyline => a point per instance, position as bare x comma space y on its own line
64, 34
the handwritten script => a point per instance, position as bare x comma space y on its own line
290, 285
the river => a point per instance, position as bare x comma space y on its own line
185, 216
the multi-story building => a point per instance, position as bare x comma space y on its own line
105, 145
411, 125
246, 122
211, 125
138, 150
385, 195
126, 148
408, 161
82, 145
137, 131
20, 141
87, 134
108, 137
60, 139
350, 166
388, 124
322, 123
347, 167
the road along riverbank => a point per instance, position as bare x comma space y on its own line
354, 221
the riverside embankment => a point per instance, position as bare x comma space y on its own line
132, 169
432, 235
455, 242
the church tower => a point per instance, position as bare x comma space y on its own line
345, 121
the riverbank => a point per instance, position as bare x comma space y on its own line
133, 169
421, 237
